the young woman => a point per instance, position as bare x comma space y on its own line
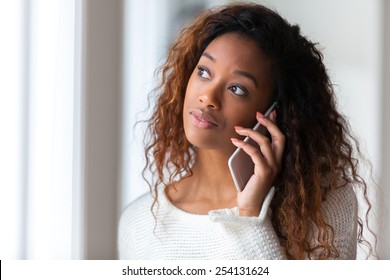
220, 76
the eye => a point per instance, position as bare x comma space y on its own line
238, 90
203, 73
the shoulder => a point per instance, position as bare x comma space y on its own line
341, 198
340, 208
136, 219
137, 209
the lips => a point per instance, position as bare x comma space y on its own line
202, 119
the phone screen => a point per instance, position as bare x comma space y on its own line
240, 163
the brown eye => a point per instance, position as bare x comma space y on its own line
203, 73
238, 90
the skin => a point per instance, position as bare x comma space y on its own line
225, 94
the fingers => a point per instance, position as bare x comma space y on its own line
278, 139
263, 142
273, 150
258, 158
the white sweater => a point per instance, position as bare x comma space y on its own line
221, 234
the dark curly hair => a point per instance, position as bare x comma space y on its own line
320, 150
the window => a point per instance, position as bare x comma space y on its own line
38, 123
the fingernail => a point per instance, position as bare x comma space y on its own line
238, 128
260, 115
235, 142
262, 120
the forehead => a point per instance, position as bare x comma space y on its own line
232, 52
238, 49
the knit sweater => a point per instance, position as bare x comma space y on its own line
222, 234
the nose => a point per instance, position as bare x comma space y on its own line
211, 98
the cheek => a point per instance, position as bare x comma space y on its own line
190, 91
191, 82
245, 115
189, 99
242, 116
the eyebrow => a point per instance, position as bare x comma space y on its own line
246, 75
236, 72
209, 56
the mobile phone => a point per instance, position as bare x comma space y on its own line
240, 163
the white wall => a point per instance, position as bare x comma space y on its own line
145, 42
384, 245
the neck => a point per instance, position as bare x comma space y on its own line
211, 175
210, 187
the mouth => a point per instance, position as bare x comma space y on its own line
202, 119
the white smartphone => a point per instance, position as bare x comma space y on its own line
240, 163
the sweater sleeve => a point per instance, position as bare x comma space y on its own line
255, 237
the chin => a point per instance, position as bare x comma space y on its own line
211, 144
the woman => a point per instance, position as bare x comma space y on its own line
220, 76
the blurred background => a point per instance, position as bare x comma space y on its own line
75, 77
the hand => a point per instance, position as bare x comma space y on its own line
267, 162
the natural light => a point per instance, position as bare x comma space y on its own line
37, 113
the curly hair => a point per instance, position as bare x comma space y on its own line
320, 149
